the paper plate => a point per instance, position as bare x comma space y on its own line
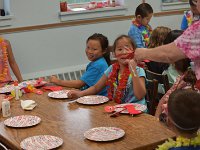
59, 94
41, 142
104, 134
92, 99
7, 89
22, 121
137, 106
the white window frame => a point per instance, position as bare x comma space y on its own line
174, 5
7, 19
91, 14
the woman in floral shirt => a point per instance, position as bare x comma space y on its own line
187, 45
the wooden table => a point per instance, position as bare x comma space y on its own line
69, 120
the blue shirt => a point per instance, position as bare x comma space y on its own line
129, 96
136, 35
184, 23
93, 73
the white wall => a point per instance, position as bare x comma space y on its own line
45, 52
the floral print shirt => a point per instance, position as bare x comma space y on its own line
189, 44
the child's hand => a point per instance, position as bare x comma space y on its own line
74, 94
53, 79
132, 66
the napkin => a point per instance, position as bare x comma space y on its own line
28, 104
53, 88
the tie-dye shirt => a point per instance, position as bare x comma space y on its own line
8, 77
189, 44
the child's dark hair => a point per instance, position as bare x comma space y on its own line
172, 35
191, 2
190, 78
104, 45
126, 37
183, 64
183, 108
143, 10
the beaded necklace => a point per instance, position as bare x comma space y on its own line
3, 47
145, 30
113, 77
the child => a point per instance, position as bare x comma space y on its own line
176, 69
185, 81
125, 81
6, 56
157, 38
183, 108
98, 53
140, 29
190, 16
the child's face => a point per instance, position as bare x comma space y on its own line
145, 21
194, 10
198, 5
93, 50
123, 48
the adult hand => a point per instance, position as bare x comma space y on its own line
74, 94
140, 54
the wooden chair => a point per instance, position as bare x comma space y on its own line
3, 147
151, 96
162, 79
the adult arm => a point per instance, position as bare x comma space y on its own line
13, 63
167, 53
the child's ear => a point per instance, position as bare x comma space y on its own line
138, 17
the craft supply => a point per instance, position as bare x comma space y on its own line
6, 108
16, 88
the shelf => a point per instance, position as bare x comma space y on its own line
91, 14
6, 20
175, 5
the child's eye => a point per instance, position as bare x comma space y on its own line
119, 49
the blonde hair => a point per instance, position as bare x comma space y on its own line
158, 36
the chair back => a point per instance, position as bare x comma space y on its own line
151, 96
162, 79
3, 147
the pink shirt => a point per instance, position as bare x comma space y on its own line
189, 44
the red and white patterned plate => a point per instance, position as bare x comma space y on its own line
6, 89
104, 134
59, 94
137, 106
22, 121
32, 82
92, 99
41, 142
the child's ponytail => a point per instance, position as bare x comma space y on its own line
106, 55
190, 78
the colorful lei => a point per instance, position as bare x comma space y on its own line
145, 30
188, 16
3, 47
113, 76
180, 142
